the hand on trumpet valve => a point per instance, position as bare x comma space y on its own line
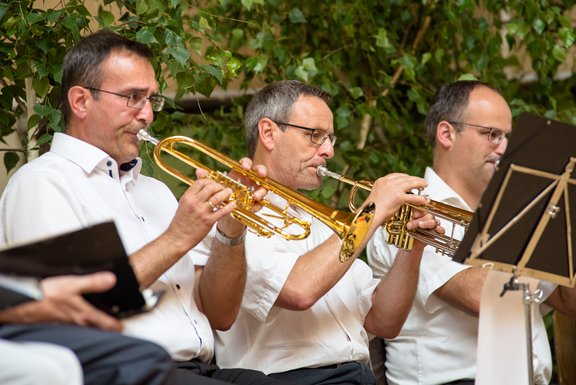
423, 220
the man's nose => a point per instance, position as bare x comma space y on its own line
146, 115
501, 148
326, 150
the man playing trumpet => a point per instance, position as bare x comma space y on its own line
92, 174
468, 125
306, 315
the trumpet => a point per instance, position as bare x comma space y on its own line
350, 227
396, 232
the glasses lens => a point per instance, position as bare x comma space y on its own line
157, 103
496, 136
318, 137
136, 100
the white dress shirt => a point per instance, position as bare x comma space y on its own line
438, 342
75, 185
272, 339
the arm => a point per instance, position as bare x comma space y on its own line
464, 290
318, 270
563, 299
393, 297
193, 220
63, 303
220, 283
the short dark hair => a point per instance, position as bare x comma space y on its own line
450, 103
82, 64
275, 102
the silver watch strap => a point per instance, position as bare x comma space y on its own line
225, 240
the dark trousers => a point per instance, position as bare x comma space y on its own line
350, 373
107, 358
197, 373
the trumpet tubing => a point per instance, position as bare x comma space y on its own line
350, 227
396, 232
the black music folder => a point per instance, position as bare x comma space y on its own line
526, 217
88, 250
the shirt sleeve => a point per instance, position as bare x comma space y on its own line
270, 261
435, 269
43, 196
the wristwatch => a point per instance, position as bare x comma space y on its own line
225, 240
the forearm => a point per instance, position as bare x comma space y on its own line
221, 285
155, 258
464, 289
392, 299
313, 275
563, 299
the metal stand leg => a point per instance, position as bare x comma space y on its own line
528, 299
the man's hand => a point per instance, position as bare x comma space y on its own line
392, 191
227, 225
63, 303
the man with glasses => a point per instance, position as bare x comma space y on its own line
306, 315
92, 174
468, 125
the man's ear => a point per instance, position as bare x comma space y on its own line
445, 134
267, 131
78, 98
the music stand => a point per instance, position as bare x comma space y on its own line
523, 224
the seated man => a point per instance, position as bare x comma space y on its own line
92, 174
39, 343
468, 125
306, 315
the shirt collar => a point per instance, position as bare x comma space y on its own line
442, 192
89, 157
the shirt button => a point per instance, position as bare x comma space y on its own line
109, 163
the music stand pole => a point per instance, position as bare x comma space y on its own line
528, 299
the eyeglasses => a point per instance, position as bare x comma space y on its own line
317, 136
137, 101
495, 135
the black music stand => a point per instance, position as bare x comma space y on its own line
523, 224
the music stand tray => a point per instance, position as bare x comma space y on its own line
523, 224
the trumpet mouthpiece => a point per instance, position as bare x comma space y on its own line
143, 135
323, 171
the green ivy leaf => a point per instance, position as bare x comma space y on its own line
179, 53
146, 36
41, 86
106, 18
214, 71
356, 92
296, 16
11, 160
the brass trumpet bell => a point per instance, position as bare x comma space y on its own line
350, 227
396, 232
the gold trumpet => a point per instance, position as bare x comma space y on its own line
396, 232
350, 227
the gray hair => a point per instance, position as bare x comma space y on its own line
275, 102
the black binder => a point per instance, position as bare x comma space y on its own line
88, 250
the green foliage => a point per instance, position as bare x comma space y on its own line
383, 62
34, 41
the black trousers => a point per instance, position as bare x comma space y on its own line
350, 373
107, 358
197, 373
